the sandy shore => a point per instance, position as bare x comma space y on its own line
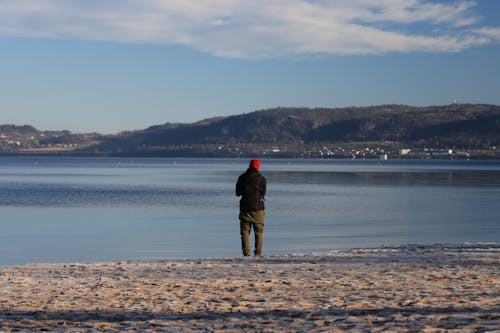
402, 289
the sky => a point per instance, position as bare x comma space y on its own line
113, 65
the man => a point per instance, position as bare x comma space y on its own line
251, 186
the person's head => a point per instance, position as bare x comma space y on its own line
254, 164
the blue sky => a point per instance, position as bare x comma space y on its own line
113, 65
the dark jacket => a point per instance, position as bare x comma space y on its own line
251, 186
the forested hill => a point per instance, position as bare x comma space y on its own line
464, 126
290, 132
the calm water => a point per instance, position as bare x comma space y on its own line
99, 209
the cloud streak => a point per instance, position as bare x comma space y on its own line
258, 28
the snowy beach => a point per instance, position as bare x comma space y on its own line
398, 289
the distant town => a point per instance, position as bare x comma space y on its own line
457, 131
381, 151
24, 140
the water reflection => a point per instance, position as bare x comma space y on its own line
393, 178
83, 195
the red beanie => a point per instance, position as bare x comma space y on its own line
255, 164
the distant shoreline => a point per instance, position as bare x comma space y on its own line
413, 287
468, 130
208, 156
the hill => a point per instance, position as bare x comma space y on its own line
304, 132
26, 139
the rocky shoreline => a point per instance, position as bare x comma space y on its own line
411, 288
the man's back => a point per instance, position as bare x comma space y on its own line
251, 186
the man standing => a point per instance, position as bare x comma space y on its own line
251, 186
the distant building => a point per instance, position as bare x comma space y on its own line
441, 152
404, 151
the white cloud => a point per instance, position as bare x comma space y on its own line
258, 28
489, 33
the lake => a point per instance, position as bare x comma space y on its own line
56, 209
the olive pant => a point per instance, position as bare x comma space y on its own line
247, 221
